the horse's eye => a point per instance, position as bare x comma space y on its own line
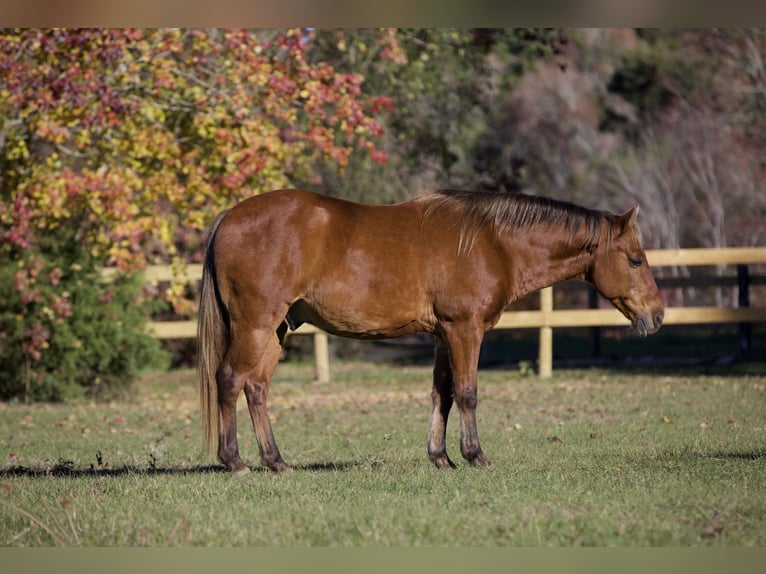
635, 261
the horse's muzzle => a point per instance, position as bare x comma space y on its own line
646, 326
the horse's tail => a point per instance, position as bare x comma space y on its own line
212, 342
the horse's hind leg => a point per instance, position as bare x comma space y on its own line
441, 399
229, 384
256, 392
248, 365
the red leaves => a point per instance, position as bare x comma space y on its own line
17, 218
127, 136
378, 104
36, 337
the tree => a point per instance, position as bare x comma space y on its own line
125, 141
443, 90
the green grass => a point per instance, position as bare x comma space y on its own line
591, 457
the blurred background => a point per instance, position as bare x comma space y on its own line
119, 146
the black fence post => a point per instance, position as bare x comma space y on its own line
745, 329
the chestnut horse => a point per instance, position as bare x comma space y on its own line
446, 263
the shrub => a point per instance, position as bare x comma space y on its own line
65, 331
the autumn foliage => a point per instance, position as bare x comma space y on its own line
122, 143
117, 147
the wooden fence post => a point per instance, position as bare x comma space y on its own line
545, 355
322, 357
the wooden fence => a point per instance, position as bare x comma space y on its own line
547, 318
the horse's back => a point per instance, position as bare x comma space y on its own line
351, 268
319, 225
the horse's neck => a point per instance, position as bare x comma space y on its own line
543, 261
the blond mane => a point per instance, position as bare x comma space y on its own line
510, 212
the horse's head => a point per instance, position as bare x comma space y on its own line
622, 275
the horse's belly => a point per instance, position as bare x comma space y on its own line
349, 321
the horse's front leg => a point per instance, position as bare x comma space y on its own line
464, 342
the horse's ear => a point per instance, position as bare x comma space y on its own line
626, 221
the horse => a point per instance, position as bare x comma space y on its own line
447, 262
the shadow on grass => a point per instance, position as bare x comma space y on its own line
755, 455
686, 455
68, 470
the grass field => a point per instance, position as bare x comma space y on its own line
591, 457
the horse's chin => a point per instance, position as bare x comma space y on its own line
641, 327
644, 326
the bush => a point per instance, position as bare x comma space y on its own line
67, 332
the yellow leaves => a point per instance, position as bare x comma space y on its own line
18, 150
154, 131
83, 139
195, 219
153, 113
96, 205
175, 291
202, 127
165, 232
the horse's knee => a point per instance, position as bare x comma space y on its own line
466, 397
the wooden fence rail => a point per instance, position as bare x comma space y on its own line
546, 318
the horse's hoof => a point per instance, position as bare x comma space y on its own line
480, 461
237, 467
443, 462
280, 467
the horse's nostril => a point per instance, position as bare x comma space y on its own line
658, 319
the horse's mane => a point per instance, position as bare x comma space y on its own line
514, 211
